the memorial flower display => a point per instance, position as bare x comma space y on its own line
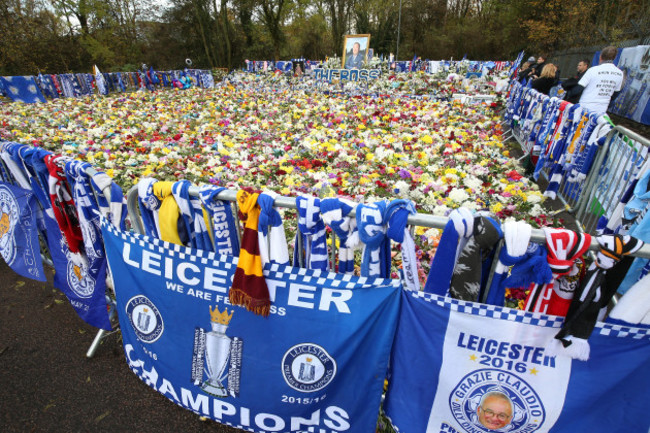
287, 135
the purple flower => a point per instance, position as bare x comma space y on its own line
404, 174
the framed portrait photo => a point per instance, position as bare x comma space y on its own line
355, 51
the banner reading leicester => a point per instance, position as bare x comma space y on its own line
18, 233
316, 364
463, 367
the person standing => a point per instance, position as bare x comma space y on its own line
601, 82
546, 80
570, 85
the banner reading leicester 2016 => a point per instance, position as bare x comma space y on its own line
18, 233
316, 364
462, 367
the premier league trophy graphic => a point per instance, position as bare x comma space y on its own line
217, 352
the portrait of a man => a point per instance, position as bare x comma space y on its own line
355, 51
495, 410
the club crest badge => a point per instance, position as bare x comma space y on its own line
308, 367
145, 318
79, 279
491, 400
9, 217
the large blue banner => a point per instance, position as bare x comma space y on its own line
472, 368
316, 364
18, 233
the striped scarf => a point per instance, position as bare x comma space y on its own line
311, 229
375, 261
114, 210
457, 232
563, 248
335, 214
474, 262
272, 238
224, 227
149, 205
396, 217
517, 236
249, 288
594, 294
192, 216
87, 208
65, 212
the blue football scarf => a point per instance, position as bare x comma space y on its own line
272, 238
396, 217
149, 205
457, 232
450, 356
517, 236
192, 216
18, 232
335, 214
102, 88
375, 260
182, 337
22, 89
66, 86
115, 209
311, 228
224, 228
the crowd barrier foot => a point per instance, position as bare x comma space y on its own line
95, 344
101, 334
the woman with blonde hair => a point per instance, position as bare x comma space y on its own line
546, 80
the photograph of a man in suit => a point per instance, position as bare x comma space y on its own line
355, 60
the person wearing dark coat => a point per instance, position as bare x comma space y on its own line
570, 85
546, 80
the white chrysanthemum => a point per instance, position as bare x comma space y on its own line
401, 188
458, 195
440, 210
472, 182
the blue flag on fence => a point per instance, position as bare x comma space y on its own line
473, 368
18, 233
317, 363
22, 89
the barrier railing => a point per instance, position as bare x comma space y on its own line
423, 220
588, 171
622, 159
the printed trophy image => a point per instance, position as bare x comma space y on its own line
217, 352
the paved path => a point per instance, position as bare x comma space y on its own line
48, 385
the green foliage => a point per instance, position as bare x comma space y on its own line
72, 35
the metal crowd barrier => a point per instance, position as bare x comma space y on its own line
617, 163
419, 219
623, 158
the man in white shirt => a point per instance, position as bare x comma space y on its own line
601, 82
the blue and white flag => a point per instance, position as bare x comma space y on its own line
18, 233
22, 89
80, 278
465, 367
316, 364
